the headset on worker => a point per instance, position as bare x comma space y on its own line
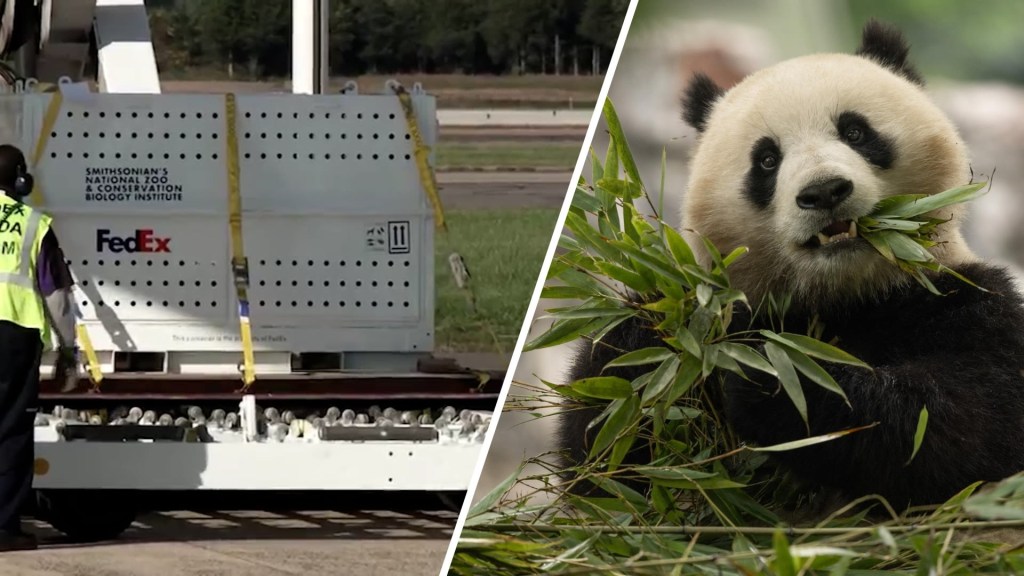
24, 182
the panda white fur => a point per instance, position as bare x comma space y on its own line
785, 161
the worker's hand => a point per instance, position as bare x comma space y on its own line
65, 369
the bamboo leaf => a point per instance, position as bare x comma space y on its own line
560, 332
904, 248
715, 483
716, 256
600, 333
726, 362
704, 293
585, 201
597, 170
485, 503
929, 203
734, 255
642, 356
564, 293
680, 250
604, 387
922, 425
622, 416
814, 348
660, 380
785, 564
815, 373
630, 279
901, 225
621, 188
805, 442
673, 473
686, 376
611, 160
656, 265
880, 245
587, 238
688, 342
787, 377
961, 277
589, 312
622, 146
619, 451
747, 356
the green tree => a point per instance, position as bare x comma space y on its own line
392, 36
454, 36
255, 33
518, 32
342, 31
600, 23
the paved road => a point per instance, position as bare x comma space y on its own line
559, 134
410, 539
497, 190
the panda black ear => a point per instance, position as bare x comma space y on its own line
886, 45
698, 100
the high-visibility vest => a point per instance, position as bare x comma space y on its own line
22, 229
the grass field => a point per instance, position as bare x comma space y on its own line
451, 90
503, 251
507, 154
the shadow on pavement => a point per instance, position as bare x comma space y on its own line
268, 516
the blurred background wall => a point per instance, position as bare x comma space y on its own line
971, 54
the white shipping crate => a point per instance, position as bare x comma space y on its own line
338, 229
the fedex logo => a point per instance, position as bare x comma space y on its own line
139, 241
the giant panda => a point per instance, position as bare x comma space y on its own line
785, 161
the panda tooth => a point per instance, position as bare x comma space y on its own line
823, 238
853, 228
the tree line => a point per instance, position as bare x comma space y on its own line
253, 37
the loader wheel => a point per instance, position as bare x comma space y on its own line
86, 516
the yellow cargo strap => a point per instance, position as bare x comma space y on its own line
239, 263
422, 154
36, 197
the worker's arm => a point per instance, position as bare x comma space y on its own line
55, 285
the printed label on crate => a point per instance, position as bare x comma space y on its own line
233, 338
399, 237
377, 238
145, 241
122, 184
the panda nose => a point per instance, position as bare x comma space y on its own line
824, 195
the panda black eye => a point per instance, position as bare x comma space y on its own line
769, 162
853, 134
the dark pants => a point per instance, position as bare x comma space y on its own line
20, 355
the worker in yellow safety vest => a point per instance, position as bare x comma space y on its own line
35, 298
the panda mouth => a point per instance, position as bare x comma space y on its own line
838, 232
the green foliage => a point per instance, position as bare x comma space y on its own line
710, 505
902, 229
389, 36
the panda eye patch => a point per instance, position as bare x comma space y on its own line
856, 132
765, 159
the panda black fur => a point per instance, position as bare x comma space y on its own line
863, 121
